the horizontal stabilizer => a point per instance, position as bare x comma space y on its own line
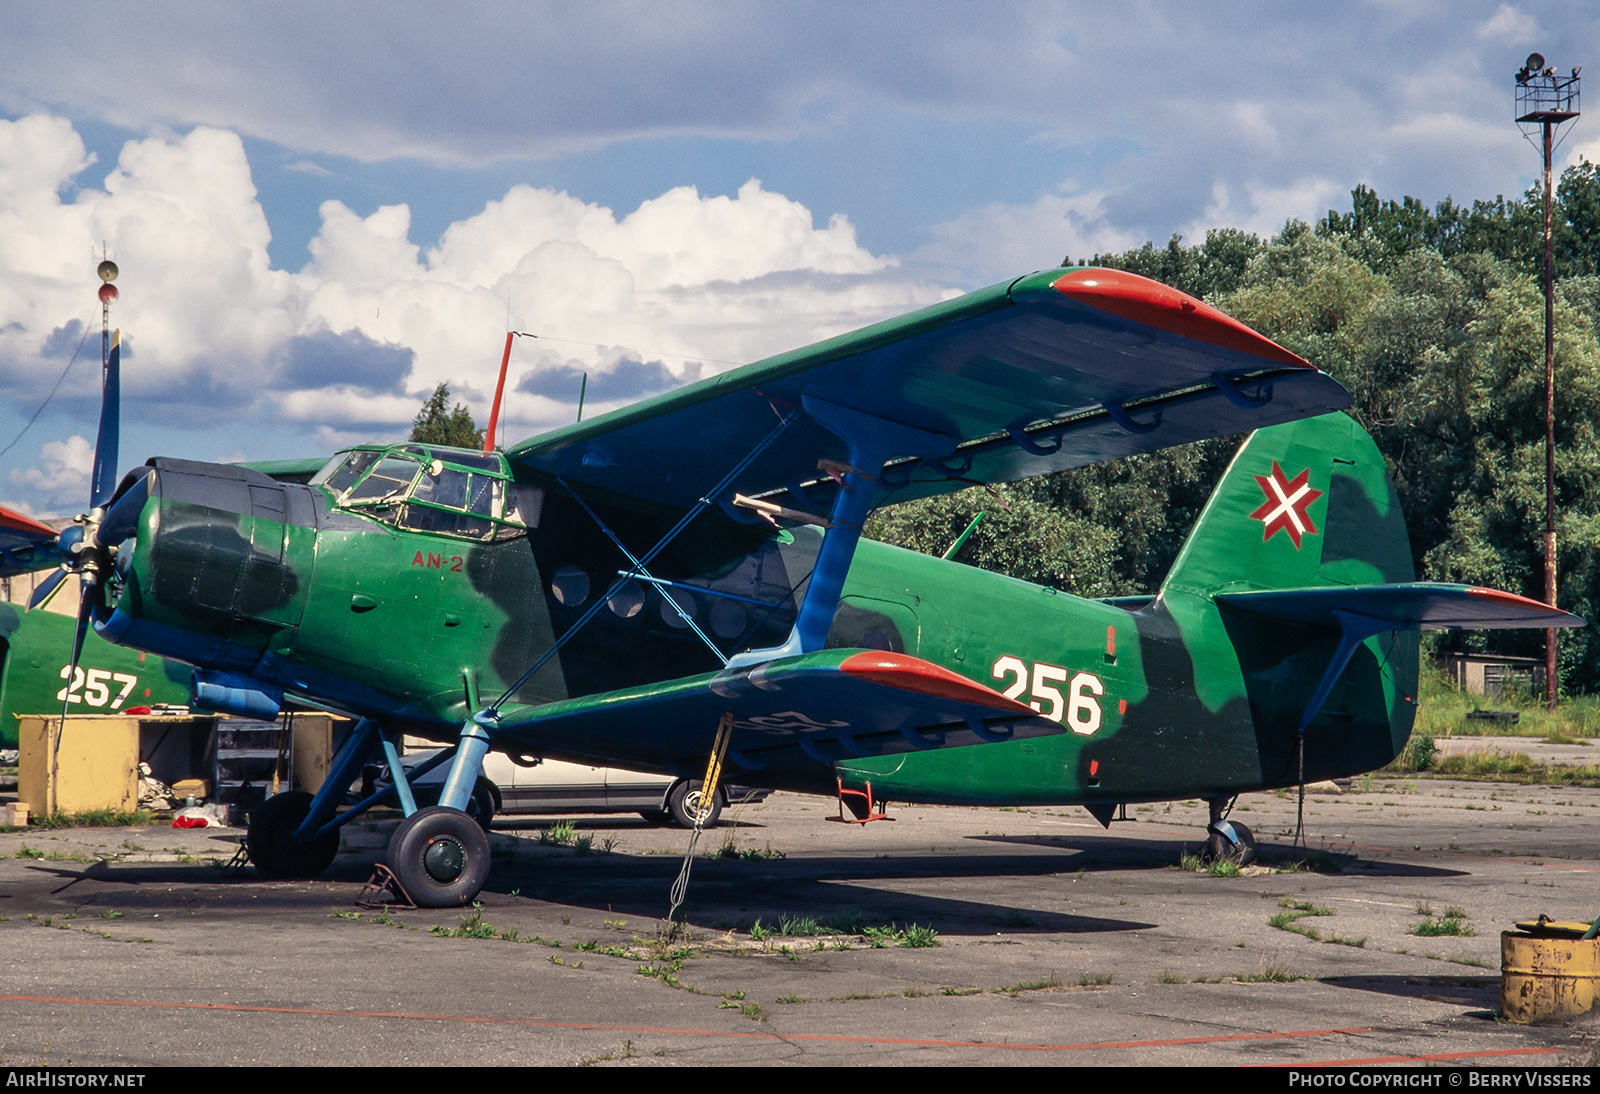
1424, 605
789, 716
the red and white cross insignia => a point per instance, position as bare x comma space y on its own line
1287, 504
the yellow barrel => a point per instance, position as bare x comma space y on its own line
1548, 972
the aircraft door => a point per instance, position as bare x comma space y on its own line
872, 623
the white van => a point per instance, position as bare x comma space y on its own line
511, 787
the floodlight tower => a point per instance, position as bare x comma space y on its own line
1546, 101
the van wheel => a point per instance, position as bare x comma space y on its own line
686, 806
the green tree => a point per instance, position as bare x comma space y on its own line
1433, 318
434, 424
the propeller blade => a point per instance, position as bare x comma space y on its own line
71, 676
42, 591
85, 606
121, 520
104, 480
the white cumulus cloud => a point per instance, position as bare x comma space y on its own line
349, 344
60, 481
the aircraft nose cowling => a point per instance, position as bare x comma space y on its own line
210, 574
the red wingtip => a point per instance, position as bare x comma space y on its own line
1154, 304
1500, 596
9, 518
897, 670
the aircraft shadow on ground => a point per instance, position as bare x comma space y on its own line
162, 885
735, 894
1464, 991
1122, 853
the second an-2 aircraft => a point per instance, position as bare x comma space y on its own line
613, 591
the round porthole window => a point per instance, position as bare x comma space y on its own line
570, 586
727, 619
627, 601
670, 615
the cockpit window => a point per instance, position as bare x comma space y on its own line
449, 487
389, 480
441, 490
340, 472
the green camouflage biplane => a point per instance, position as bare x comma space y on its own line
613, 591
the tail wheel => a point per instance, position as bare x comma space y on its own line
271, 843
687, 804
1242, 850
441, 857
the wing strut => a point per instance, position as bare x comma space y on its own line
873, 443
638, 570
477, 731
491, 713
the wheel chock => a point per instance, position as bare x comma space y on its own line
383, 884
863, 810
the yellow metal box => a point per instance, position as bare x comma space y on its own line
94, 764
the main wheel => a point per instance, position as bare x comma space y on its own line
1218, 846
441, 857
271, 844
686, 804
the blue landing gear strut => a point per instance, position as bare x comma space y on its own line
439, 855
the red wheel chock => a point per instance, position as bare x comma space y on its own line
863, 809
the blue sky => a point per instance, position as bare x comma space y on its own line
320, 213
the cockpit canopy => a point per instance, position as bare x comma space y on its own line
431, 488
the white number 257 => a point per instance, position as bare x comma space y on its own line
94, 687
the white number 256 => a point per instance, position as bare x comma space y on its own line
1079, 709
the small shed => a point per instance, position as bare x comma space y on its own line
1494, 673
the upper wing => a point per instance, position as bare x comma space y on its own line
1050, 371
792, 717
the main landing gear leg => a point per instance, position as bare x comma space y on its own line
1227, 839
439, 854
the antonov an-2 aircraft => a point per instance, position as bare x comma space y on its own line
612, 591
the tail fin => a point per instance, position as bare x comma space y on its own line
1302, 504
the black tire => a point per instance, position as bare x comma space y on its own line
684, 798
441, 857
270, 839
1218, 846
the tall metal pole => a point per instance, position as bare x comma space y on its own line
1550, 659
1548, 101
